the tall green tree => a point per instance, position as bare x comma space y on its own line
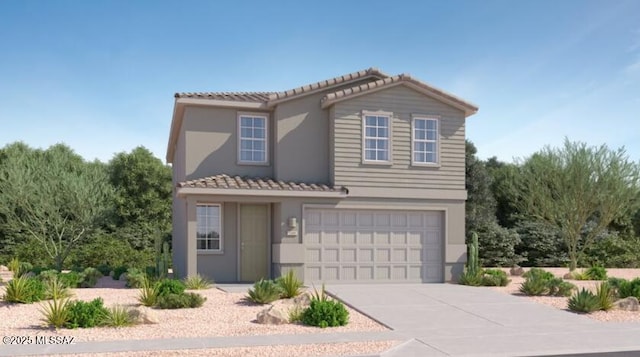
52, 196
143, 196
574, 185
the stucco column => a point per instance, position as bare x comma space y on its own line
191, 248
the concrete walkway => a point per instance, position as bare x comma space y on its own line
454, 320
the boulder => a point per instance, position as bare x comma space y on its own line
3, 268
144, 315
516, 270
273, 315
627, 304
302, 300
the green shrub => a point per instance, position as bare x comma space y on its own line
584, 301
494, 277
180, 301
148, 293
289, 284
24, 290
48, 275
629, 288
56, 313
14, 265
559, 287
295, 313
596, 273
118, 271
325, 313
605, 295
104, 269
91, 276
170, 286
264, 292
197, 282
535, 285
36, 270
86, 314
71, 279
56, 290
538, 273
118, 316
470, 278
615, 284
135, 278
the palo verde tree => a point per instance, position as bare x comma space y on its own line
578, 186
52, 196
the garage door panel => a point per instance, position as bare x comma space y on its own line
373, 246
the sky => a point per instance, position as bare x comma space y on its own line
100, 75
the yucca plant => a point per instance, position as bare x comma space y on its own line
290, 285
148, 292
264, 292
118, 316
14, 265
197, 282
535, 285
584, 301
56, 289
319, 295
24, 290
56, 313
605, 295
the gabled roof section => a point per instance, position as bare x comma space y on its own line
402, 79
279, 97
228, 96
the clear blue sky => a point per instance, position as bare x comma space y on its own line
100, 75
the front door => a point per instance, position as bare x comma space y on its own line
254, 242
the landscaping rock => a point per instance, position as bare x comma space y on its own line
627, 304
3, 268
144, 315
273, 315
516, 270
568, 276
303, 300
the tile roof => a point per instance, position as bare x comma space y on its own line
236, 182
231, 96
338, 95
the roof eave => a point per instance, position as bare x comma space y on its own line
186, 191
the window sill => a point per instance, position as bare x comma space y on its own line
378, 163
248, 163
210, 252
425, 165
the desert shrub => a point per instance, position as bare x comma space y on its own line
614, 250
14, 265
596, 273
295, 313
584, 301
325, 313
24, 290
559, 287
180, 301
135, 278
497, 245
289, 284
71, 279
494, 277
615, 283
55, 289
24, 268
538, 273
91, 276
170, 286
579, 275
118, 316
104, 269
48, 275
540, 282
197, 282
264, 292
86, 314
605, 295
629, 288
118, 271
36, 270
535, 285
110, 249
148, 293
470, 278
56, 313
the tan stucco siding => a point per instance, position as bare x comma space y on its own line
211, 144
302, 134
402, 102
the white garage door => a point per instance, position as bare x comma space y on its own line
372, 246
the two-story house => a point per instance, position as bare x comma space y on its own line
358, 178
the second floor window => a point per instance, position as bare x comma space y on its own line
253, 139
425, 141
376, 138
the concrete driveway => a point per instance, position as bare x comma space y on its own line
455, 320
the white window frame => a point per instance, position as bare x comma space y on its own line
220, 238
265, 140
389, 117
435, 118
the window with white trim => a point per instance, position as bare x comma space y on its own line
425, 141
209, 227
253, 139
376, 138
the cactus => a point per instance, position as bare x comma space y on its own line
162, 258
473, 266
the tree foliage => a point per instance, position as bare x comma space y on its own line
571, 186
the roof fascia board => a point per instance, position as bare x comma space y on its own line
184, 191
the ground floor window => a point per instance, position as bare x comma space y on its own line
208, 235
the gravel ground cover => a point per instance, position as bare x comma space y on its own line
561, 302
